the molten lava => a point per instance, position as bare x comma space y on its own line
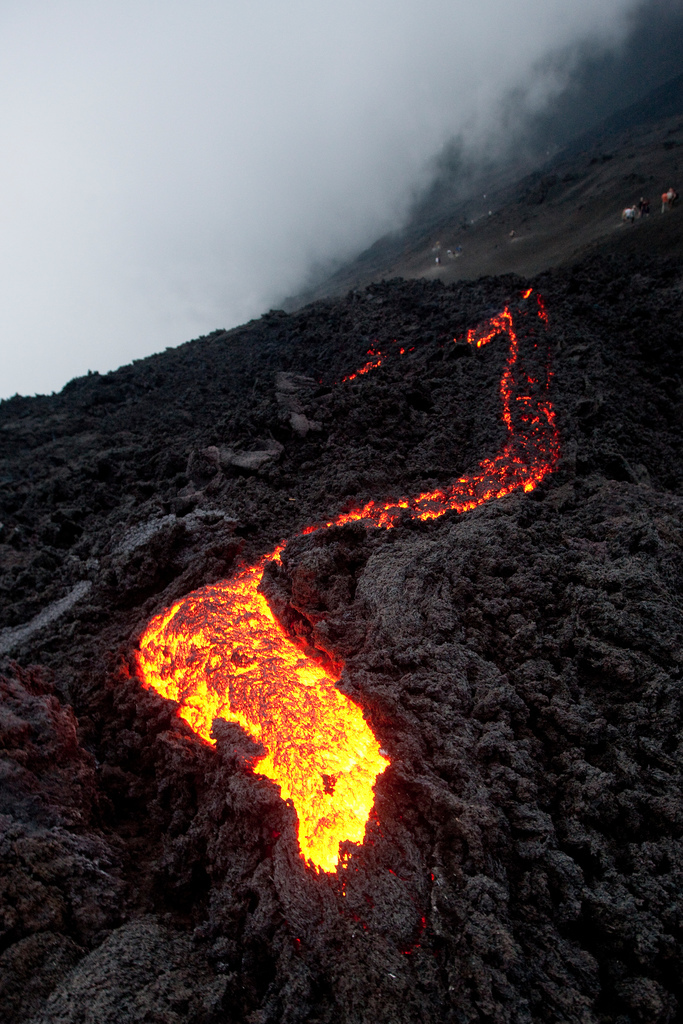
372, 364
531, 449
220, 652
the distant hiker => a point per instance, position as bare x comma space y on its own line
644, 207
668, 199
629, 215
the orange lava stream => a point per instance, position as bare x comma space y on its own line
220, 653
530, 452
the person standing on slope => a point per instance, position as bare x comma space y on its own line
668, 199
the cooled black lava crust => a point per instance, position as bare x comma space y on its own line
521, 664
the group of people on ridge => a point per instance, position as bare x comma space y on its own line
642, 208
452, 254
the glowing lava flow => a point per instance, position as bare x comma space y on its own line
371, 364
220, 653
530, 452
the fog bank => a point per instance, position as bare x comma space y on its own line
170, 168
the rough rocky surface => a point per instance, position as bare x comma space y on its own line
520, 663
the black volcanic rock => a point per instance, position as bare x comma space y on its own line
520, 663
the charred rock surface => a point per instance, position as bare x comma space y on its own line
520, 663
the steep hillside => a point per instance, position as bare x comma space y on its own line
548, 218
519, 663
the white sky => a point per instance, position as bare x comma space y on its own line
169, 167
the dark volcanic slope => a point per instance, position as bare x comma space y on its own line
548, 218
520, 663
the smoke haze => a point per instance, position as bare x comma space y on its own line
169, 168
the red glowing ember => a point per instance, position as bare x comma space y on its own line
220, 653
372, 364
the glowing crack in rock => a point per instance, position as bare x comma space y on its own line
220, 652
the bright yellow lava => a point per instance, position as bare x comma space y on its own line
220, 653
